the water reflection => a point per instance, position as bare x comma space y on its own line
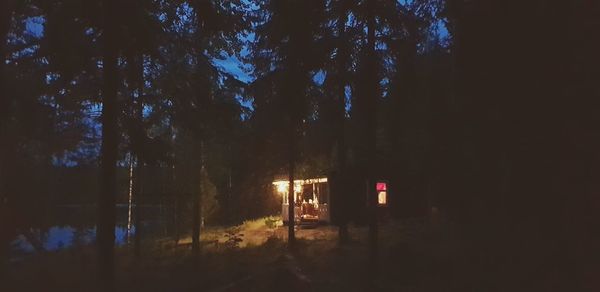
62, 237
73, 226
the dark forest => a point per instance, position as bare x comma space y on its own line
295, 145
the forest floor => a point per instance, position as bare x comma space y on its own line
412, 256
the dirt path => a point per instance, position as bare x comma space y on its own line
284, 275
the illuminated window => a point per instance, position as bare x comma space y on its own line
381, 193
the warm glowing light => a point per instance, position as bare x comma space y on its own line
281, 187
306, 197
297, 187
382, 198
302, 181
381, 193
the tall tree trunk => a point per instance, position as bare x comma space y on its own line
292, 108
341, 116
5, 19
371, 128
404, 123
108, 187
136, 78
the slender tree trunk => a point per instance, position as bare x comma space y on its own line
196, 224
138, 198
131, 81
108, 187
136, 71
197, 212
130, 200
291, 203
229, 195
178, 191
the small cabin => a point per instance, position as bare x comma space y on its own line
314, 199
311, 199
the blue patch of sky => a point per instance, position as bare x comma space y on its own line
33, 29
235, 66
35, 26
319, 77
238, 68
247, 107
442, 32
440, 27
384, 83
251, 4
232, 65
348, 99
242, 72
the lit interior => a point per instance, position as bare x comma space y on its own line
310, 197
381, 193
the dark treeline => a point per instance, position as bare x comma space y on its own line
485, 110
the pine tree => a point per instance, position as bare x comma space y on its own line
285, 54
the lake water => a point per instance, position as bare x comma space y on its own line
62, 237
74, 226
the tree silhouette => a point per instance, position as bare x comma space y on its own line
142, 39
110, 142
31, 132
285, 53
334, 111
6, 8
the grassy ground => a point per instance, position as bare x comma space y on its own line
254, 257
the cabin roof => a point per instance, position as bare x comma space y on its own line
302, 181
